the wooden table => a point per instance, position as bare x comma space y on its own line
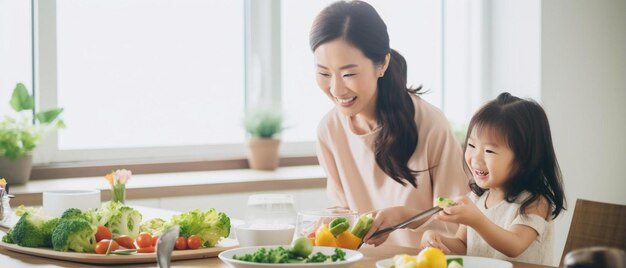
372, 254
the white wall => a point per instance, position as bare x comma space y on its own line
583, 89
515, 48
570, 55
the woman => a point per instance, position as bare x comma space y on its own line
382, 146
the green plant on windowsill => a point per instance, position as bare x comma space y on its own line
20, 136
263, 123
263, 126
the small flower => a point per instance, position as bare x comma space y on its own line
123, 175
3, 183
109, 178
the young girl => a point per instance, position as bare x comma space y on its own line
516, 187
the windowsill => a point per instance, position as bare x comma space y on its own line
182, 183
151, 166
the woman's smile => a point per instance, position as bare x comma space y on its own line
346, 102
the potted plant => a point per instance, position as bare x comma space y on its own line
20, 136
263, 126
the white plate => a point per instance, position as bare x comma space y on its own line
227, 256
468, 262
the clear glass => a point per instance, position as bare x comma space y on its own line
6, 213
418, 41
309, 221
270, 210
150, 73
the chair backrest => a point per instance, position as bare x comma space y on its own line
596, 224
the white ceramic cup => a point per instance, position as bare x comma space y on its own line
264, 235
57, 201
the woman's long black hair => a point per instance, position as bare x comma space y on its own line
524, 126
361, 26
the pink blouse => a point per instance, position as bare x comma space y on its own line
355, 181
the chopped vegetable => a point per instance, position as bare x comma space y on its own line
210, 226
444, 202
126, 242
283, 255
103, 233
33, 230
455, 263
124, 252
76, 235
324, 238
348, 240
302, 247
338, 226
363, 224
153, 226
120, 219
21, 209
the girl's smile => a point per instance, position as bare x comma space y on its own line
489, 158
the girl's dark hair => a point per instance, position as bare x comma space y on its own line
524, 126
359, 24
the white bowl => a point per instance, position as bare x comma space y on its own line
264, 235
55, 202
352, 257
468, 262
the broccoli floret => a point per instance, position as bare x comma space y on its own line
125, 221
74, 213
28, 231
74, 234
7, 238
210, 226
20, 210
153, 226
120, 219
48, 229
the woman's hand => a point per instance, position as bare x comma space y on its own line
432, 238
382, 219
464, 212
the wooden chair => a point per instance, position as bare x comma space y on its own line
596, 224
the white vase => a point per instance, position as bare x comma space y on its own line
16, 171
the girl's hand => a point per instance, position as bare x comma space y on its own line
432, 238
464, 212
384, 218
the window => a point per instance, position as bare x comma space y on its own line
145, 75
172, 79
150, 73
15, 50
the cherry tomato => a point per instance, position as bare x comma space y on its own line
145, 250
155, 238
181, 243
194, 242
126, 241
103, 245
102, 233
144, 240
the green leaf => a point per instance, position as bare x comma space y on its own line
47, 117
263, 123
21, 100
60, 124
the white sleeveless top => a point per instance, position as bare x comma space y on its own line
505, 215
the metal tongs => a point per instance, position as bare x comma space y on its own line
422, 215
